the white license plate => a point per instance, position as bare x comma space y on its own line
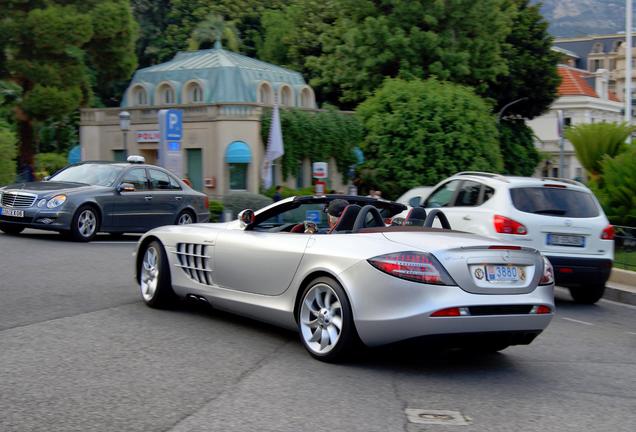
503, 273
565, 240
11, 212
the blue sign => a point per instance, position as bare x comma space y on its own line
313, 216
75, 155
173, 126
174, 146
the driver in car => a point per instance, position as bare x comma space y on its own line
334, 211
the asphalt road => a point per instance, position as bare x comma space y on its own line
79, 351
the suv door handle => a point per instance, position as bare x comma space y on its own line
148, 197
178, 198
467, 217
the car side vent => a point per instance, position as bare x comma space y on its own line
194, 261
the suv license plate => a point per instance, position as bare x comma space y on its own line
502, 273
565, 240
11, 212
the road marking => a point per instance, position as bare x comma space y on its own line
631, 333
437, 417
577, 321
113, 242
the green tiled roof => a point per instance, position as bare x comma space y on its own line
227, 76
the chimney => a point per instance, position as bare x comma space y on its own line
601, 83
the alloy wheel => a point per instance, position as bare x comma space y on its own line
184, 219
149, 273
321, 318
87, 223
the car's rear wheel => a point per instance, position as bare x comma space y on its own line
185, 218
325, 321
154, 277
11, 229
85, 224
587, 294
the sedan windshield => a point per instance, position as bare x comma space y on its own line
91, 174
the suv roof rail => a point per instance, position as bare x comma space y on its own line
485, 174
563, 180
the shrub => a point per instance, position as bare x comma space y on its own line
287, 192
420, 132
49, 163
616, 188
216, 210
8, 151
237, 201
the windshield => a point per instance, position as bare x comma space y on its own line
554, 202
91, 174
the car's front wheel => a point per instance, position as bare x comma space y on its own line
325, 321
184, 218
85, 224
154, 276
587, 294
11, 229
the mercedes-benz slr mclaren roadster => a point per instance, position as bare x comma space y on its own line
356, 281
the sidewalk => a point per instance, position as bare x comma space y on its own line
621, 287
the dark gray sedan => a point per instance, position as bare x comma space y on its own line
90, 197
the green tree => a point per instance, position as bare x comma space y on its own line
453, 40
593, 141
516, 141
616, 189
8, 152
214, 29
57, 52
419, 132
152, 16
532, 72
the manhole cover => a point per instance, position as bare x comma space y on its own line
439, 417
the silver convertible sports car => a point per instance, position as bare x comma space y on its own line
352, 280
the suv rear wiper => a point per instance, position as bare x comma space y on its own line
550, 211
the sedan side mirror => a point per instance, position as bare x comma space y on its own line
126, 187
246, 217
46, 178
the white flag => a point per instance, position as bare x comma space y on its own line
274, 148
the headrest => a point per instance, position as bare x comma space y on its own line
347, 219
369, 216
416, 216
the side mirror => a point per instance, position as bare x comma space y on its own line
246, 217
126, 187
46, 178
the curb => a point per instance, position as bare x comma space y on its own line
620, 293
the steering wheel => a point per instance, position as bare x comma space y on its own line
432, 215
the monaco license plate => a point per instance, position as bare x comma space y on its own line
503, 273
565, 240
11, 212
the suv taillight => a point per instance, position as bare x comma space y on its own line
548, 273
608, 233
506, 225
413, 266
206, 202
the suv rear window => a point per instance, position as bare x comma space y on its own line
554, 202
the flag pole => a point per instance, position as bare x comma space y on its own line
628, 65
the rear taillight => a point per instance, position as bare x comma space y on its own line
608, 233
206, 202
506, 225
451, 312
413, 266
548, 273
540, 310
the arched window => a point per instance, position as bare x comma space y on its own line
286, 97
306, 98
616, 45
598, 48
265, 95
139, 96
194, 93
166, 95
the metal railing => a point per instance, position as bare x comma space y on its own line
625, 247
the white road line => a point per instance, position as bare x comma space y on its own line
618, 303
631, 333
112, 242
577, 321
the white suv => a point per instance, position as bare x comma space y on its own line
561, 218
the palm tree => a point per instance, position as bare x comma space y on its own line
593, 141
214, 28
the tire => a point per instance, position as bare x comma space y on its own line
85, 224
587, 294
323, 305
11, 229
154, 277
184, 218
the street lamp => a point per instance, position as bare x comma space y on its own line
124, 125
501, 111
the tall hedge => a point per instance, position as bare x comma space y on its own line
8, 152
419, 132
317, 136
615, 189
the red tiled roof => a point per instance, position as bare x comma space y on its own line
573, 83
613, 97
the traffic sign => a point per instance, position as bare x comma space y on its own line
171, 124
320, 170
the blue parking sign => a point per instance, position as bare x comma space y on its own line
173, 125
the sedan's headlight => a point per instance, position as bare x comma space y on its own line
56, 201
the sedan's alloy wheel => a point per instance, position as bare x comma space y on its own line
149, 273
87, 223
321, 318
184, 219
